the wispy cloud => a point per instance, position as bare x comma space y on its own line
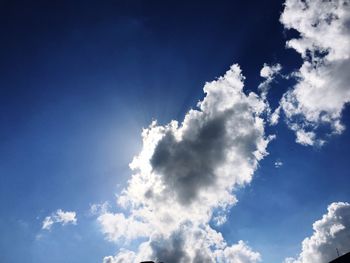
278, 164
268, 72
61, 217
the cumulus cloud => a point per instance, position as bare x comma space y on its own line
330, 233
189, 243
187, 172
59, 217
322, 89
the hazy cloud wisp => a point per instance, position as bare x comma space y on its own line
61, 217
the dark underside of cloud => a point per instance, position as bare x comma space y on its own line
173, 250
189, 164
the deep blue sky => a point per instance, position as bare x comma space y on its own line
79, 80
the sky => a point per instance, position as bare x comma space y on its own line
174, 131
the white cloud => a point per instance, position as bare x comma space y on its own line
47, 223
123, 256
269, 73
65, 217
274, 117
305, 138
187, 170
330, 233
278, 164
59, 217
219, 219
240, 253
96, 209
116, 226
322, 88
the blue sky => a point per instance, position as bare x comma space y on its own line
79, 81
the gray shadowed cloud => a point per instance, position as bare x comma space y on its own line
170, 250
188, 165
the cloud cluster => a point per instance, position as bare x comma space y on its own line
322, 90
186, 171
330, 233
59, 217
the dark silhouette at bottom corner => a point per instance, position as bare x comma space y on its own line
342, 259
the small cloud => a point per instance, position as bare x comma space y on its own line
270, 71
98, 209
47, 223
220, 220
274, 117
278, 164
305, 138
59, 216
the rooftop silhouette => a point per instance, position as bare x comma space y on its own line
342, 259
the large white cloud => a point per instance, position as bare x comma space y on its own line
323, 81
61, 217
330, 233
186, 171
